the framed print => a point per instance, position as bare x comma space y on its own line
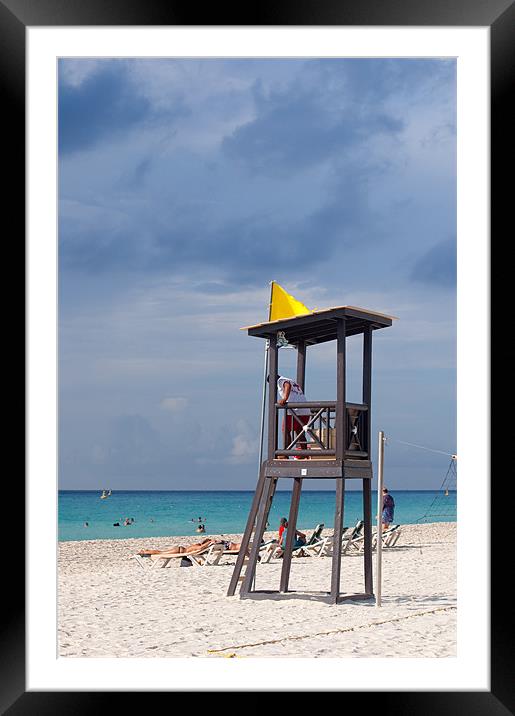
170, 166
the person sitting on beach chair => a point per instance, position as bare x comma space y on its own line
299, 541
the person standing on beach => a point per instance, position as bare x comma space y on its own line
388, 509
291, 392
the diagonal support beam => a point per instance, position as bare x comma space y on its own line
264, 509
290, 535
247, 534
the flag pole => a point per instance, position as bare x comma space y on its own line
263, 400
265, 373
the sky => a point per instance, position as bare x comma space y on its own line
185, 187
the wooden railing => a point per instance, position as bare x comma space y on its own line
316, 435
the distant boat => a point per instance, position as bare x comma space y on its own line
104, 494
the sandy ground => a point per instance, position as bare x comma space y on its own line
110, 607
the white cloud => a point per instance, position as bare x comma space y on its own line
174, 404
244, 445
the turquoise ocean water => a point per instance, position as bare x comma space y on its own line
168, 513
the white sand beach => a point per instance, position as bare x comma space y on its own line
108, 606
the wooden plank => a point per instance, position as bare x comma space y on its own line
341, 413
352, 473
304, 453
272, 390
337, 541
309, 404
367, 383
323, 314
301, 364
367, 315
290, 535
367, 532
367, 485
353, 329
296, 470
353, 597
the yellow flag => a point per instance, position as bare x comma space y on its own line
282, 305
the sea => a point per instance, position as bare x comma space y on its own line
83, 515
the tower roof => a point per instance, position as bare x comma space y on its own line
320, 326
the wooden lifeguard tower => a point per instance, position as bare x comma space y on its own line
339, 440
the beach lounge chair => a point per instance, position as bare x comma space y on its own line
208, 556
266, 551
390, 536
312, 545
389, 539
303, 550
269, 552
263, 547
350, 533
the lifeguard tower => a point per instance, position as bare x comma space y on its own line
335, 442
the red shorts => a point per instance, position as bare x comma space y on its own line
293, 423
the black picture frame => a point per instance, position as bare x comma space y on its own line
499, 16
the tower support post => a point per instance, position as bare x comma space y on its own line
341, 436
290, 534
337, 540
367, 535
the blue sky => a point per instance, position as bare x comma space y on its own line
185, 186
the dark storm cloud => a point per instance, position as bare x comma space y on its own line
105, 105
376, 80
333, 107
437, 266
298, 128
239, 249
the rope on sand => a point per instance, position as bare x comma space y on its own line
332, 631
